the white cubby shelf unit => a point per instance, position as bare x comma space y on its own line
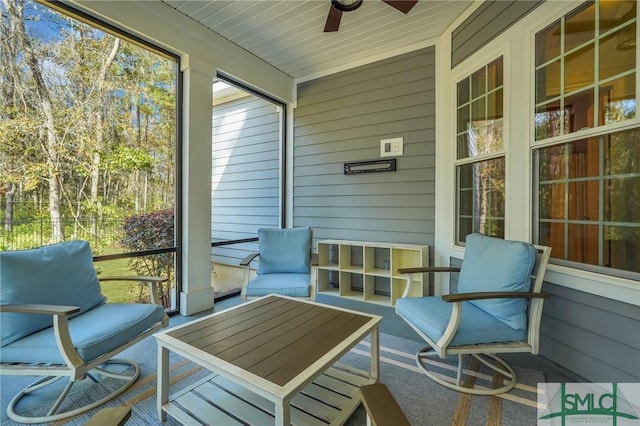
368, 271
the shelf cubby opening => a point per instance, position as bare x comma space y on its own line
328, 281
351, 284
328, 255
406, 258
351, 258
377, 261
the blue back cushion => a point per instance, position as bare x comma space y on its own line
284, 250
494, 264
57, 274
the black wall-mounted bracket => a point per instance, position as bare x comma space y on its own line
370, 166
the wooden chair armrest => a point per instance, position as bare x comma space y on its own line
428, 269
247, 260
40, 309
381, 407
461, 297
111, 416
422, 269
141, 278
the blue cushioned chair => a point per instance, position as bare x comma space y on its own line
286, 264
55, 323
497, 308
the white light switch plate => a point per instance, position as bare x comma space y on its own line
391, 147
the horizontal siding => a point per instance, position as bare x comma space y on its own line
341, 118
360, 80
595, 337
245, 174
491, 19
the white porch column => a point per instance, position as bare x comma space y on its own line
197, 294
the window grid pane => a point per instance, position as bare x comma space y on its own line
589, 200
480, 112
481, 190
585, 69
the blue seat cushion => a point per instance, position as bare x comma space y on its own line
494, 264
56, 274
295, 285
431, 315
98, 331
284, 250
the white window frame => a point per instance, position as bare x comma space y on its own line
612, 287
481, 158
519, 145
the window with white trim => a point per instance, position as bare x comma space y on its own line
480, 162
587, 150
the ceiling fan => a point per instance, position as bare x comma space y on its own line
339, 6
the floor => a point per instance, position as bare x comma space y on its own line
391, 324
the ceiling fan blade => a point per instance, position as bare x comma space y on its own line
333, 20
403, 6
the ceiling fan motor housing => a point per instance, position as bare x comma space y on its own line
346, 5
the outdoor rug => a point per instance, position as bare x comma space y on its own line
423, 401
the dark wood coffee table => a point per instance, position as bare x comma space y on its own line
274, 361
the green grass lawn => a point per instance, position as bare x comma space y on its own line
118, 291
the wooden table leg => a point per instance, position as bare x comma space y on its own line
163, 381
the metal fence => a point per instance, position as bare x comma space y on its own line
37, 232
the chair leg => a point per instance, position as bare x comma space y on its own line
500, 366
113, 391
491, 361
459, 372
62, 396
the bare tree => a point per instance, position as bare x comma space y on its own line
10, 94
15, 9
99, 129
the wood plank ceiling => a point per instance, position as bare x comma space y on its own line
289, 35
